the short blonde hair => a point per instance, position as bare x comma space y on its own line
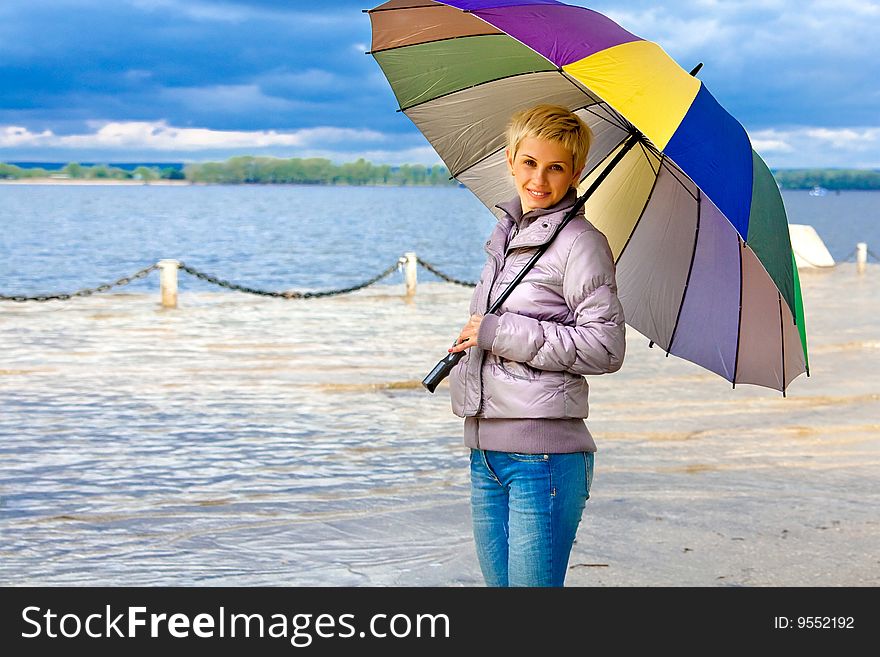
554, 123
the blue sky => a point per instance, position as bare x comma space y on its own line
190, 80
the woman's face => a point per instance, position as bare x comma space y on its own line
543, 172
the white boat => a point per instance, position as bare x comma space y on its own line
818, 191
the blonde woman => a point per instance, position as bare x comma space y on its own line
521, 385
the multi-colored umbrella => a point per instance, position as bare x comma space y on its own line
693, 215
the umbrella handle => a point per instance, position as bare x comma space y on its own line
442, 369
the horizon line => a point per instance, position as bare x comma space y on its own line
273, 157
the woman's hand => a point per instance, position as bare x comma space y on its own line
467, 338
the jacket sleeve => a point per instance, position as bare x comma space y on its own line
595, 344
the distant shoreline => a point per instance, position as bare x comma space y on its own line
163, 182
240, 170
90, 181
250, 170
188, 183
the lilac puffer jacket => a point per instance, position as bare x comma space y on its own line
562, 321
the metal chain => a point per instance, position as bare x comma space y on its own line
850, 258
445, 277
81, 293
288, 294
240, 288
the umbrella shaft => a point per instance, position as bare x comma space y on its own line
630, 142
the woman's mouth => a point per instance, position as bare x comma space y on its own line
535, 194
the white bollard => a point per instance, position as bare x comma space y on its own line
168, 282
410, 271
861, 257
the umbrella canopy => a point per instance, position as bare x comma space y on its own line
693, 215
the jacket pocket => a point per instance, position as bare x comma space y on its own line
517, 370
520, 396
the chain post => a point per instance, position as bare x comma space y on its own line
861, 257
168, 282
410, 269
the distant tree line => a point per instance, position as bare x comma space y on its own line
314, 171
254, 170
828, 178
99, 171
320, 171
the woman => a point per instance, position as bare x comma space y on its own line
520, 387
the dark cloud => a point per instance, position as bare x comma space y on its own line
180, 62
285, 66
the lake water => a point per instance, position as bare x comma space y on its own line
63, 238
275, 237
239, 440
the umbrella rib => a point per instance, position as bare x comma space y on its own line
687, 280
651, 147
739, 320
620, 125
604, 159
674, 171
781, 340
641, 214
476, 162
646, 151
377, 9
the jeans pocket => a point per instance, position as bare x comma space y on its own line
589, 459
528, 458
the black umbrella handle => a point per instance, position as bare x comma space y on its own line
441, 370
444, 367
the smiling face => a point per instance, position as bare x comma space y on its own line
543, 172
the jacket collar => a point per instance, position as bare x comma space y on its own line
531, 232
514, 209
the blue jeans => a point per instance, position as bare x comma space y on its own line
526, 510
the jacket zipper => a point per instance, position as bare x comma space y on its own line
498, 273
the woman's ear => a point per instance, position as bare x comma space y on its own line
509, 160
